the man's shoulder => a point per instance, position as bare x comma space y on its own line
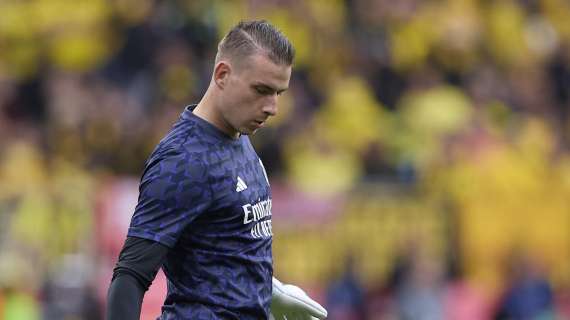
184, 139
172, 166
179, 151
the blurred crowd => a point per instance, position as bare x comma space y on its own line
419, 163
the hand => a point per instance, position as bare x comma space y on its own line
290, 302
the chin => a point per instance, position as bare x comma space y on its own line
247, 132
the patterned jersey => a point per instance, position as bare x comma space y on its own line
206, 196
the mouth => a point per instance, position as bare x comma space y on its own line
259, 123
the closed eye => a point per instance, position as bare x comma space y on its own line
266, 90
263, 90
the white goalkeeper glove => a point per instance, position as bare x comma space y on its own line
290, 302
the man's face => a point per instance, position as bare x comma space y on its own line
251, 94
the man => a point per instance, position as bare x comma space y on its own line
204, 208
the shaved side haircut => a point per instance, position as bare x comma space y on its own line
258, 36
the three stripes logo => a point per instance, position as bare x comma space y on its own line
240, 186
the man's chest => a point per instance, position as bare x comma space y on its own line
241, 195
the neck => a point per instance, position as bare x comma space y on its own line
208, 110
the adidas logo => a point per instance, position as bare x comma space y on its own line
240, 186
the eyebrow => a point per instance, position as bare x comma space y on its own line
266, 86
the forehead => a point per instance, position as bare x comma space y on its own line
259, 67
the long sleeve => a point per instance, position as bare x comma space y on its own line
139, 262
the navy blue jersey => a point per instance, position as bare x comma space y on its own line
206, 196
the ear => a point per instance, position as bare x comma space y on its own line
222, 71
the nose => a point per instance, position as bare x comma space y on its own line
270, 107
